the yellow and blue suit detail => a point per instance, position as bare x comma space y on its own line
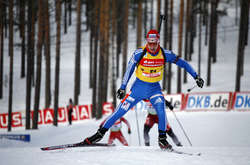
151, 67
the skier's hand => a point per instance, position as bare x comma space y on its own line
129, 131
120, 93
199, 81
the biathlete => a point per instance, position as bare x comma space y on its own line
116, 133
149, 63
152, 119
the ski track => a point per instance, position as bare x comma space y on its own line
126, 155
216, 146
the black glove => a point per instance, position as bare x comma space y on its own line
120, 93
170, 106
199, 81
129, 131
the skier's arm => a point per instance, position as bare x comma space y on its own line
130, 68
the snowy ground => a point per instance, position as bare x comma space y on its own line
223, 138
223, 73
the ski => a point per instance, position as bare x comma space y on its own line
73, 145
182, 152
185, 153
65, 146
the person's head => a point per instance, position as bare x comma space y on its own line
153, 41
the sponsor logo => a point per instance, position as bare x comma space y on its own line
217, 101
242, 100
158, 101
130, 99
152, 62
125, 105
151, 74
21, 137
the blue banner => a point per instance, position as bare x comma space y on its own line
21, 137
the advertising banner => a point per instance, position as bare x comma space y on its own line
21, 137
208, 101
241, 101
176, 100
16, 120
107, 108
84, 112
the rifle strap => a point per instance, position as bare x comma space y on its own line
145, 51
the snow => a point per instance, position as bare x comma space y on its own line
223, 138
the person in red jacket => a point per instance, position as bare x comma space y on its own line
152, 119
116, 133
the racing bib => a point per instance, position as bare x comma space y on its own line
151, 68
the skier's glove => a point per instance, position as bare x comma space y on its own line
170, 106
129, 131
199, 81
120, 93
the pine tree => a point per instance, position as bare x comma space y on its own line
180, 44
78, 53
38, 62
11, 42
57, 68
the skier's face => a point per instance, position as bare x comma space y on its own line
152, 46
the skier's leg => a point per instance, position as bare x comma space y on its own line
149, 123
70, 119
111, 138
158, 103
126, 104
96, 137
173, 136
122, 139
146, 135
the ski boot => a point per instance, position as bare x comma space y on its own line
179, 144
162, 141
96, 137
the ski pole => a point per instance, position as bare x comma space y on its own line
162, 17
191, 88
130, 141
182, 128
138, 128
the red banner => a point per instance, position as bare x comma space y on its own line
16, 120
84, 112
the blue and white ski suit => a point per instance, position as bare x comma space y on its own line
141, 89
